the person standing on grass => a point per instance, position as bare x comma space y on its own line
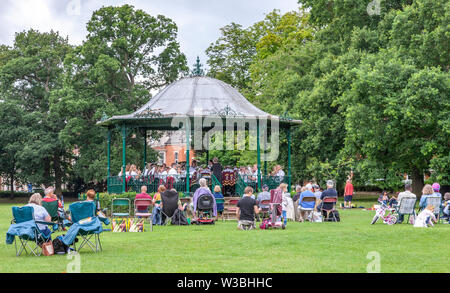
246, 209
348, 194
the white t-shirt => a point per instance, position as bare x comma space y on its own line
421, 220
172, 171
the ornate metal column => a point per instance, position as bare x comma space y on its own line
124, 155
109, 158
258, 150
188, 147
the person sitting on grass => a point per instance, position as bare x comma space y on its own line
446, 205
425, 218
384, 198
247, 208
40, 213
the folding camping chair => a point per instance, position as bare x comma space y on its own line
406, 207
143, 204
265, 211
120, 202
52, 209
23, 217
80, 211
169, 201
310, 210
436, 202
329, 200
231, 207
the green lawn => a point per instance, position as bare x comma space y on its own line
302, 247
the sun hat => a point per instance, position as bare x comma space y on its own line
436, 186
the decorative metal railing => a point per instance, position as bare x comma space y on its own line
178, 182
248, 180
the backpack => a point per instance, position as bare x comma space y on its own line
336, 215
265, 224
58, 246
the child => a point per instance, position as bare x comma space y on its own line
446, 206
218, 195
285, 204
384, 198
425, 218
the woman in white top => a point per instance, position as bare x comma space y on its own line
40, 213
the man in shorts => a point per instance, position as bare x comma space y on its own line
348, 192
246, 210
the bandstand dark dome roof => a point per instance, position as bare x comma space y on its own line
193, 97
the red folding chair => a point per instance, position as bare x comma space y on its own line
265, 211
232, 207
141, 204
329, 200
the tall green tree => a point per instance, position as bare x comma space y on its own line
127, 54
30, 72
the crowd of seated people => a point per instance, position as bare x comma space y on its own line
227, 177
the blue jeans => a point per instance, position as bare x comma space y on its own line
156, 218
284, 218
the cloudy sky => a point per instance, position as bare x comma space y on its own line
198, 21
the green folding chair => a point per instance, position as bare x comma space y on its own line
221, 201
22, 216
119, 203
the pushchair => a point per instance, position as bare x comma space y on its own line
275, 218
205, 209
389, 218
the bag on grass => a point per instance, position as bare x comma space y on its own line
47, 248
334, 216
59, 247
316, 217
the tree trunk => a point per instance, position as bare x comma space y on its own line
12, 185
58, 173
47, 180
417, 182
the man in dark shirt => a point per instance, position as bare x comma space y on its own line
330, 192
246, 210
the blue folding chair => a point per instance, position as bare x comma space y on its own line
26, 229
86, 229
